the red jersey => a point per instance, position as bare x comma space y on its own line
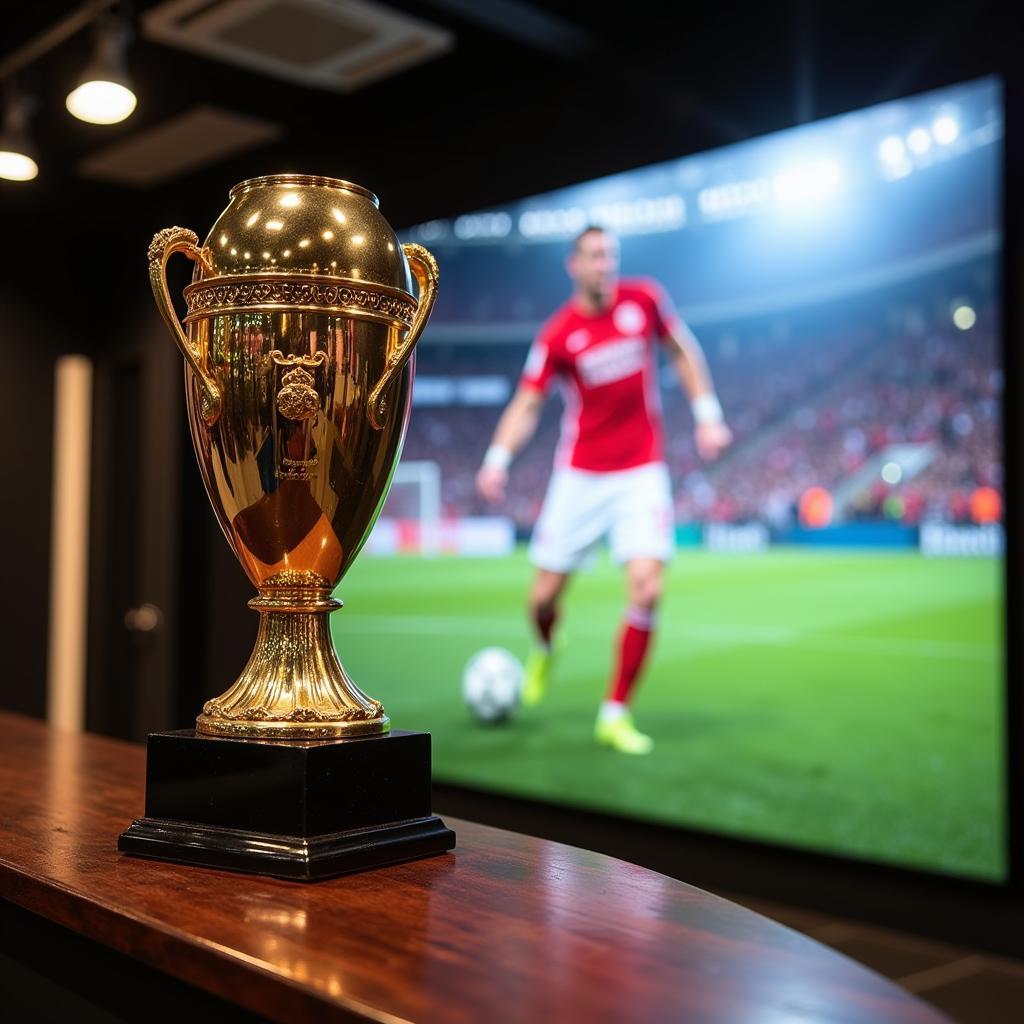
606, 365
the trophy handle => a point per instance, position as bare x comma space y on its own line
424, 267
164, 245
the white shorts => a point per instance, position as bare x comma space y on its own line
631, 507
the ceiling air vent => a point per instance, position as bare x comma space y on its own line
187, 142
327, 44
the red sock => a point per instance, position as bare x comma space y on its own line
634, 639
544, 619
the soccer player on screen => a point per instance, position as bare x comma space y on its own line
610, 478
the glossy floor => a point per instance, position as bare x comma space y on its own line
970, 986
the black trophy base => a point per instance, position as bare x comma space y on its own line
304, 811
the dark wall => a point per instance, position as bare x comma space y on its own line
31, 337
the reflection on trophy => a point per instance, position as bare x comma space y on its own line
298, 342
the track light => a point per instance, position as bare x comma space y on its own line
17, 154
104, 94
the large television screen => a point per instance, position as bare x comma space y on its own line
827, 666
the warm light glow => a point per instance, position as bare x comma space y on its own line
358, 239
328, 235
338, 215
266, 255
246, 255
964, 317
223, 240
101, 102
274, 225
252, 219
286, 253
234, 251
17, 166
290, 199
304, 243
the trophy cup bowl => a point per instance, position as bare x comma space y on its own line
298, 342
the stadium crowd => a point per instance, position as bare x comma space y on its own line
809, 406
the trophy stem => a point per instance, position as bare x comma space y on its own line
294, 687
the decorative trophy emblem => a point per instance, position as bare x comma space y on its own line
303, 274
297, 399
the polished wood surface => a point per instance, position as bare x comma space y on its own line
507, 928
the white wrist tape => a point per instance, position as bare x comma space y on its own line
497, 457
707, 409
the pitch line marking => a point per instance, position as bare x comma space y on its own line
718, 633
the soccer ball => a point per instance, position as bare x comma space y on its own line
491, 684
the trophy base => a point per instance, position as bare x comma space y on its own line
299, 810
208, 725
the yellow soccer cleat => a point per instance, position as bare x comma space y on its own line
622, 735
535, 676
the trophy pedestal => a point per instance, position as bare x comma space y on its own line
301, 810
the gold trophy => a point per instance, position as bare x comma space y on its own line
298, 342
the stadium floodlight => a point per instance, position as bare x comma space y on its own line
919, 141
945, 129
807, 183
964, 316
891, 150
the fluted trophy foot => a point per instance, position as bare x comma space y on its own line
294, 687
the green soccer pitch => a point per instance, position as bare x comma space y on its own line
848, 702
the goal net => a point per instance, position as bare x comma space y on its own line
413, 507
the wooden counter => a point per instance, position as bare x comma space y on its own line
507, 928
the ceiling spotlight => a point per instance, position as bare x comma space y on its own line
104, 94
17, 154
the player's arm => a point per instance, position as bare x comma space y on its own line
517, 425
712, 434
